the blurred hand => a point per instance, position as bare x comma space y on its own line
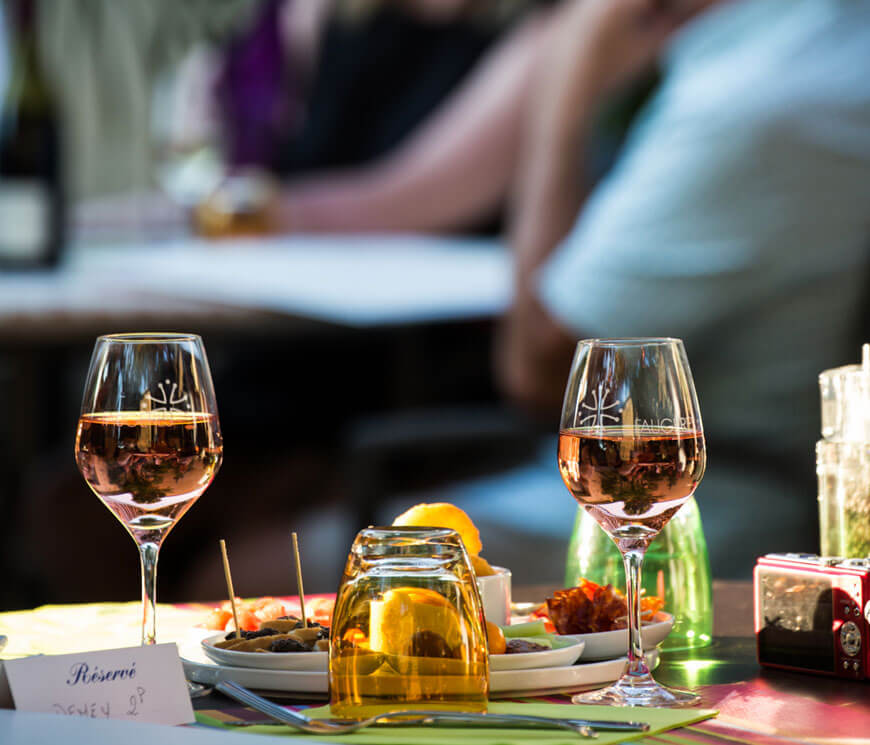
615, 40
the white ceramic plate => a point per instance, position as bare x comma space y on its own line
605, 645
572, 678
503, 683
566, 651
318, 661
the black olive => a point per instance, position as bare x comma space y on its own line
257, 634
430, 644
287, 645
521, 646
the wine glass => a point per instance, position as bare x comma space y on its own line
148, 441
632, 452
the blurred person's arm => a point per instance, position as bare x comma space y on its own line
455, 170
596, 48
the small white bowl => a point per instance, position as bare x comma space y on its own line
565, 651
495, 594
302, 661
606, 645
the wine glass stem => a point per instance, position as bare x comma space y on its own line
148, 557
633, 562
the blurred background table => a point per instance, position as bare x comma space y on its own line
349, 281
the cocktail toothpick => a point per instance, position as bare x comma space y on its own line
230, 590
298, 561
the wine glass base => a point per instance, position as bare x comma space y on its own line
639, 690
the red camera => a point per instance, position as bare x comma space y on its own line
812, 613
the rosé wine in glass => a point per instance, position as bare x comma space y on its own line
632, 452
148, 442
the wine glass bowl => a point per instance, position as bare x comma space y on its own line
631, 482
632, 452
148, 441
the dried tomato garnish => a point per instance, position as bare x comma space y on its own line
587, 608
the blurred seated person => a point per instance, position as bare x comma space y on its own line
736, 218
357, 130
304, 85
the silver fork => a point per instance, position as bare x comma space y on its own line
584, 728
326, 727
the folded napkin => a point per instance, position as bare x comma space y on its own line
659, 720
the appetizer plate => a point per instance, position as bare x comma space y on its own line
503, 683
605, 645
566, 651
317, 661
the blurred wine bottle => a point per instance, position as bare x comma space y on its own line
32, 205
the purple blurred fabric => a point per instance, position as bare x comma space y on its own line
257, 92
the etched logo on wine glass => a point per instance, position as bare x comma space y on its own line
166, 401
602, 410
682, 423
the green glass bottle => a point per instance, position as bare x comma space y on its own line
676, 568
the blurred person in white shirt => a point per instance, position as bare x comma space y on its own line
736, 218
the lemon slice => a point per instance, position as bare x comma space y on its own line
443, 515
481, 566
407, 611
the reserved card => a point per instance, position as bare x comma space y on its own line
144, 684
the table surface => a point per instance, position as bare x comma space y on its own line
756, 705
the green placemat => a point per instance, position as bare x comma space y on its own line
659, 720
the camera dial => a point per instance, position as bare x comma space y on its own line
850, 638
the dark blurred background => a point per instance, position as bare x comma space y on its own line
133, 130
142, 110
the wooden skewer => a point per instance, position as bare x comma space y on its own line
230, 590
298, 561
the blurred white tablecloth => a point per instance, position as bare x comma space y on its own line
349, 280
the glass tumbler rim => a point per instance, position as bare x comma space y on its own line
149, 337
382, 542
386, 532
415, 529
631, 341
